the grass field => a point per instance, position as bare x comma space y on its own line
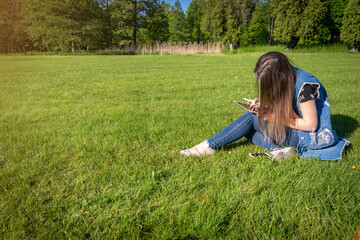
89, 149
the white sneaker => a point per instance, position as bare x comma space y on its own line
281, 154
201, 149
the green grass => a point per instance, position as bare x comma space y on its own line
327, 48
89, 148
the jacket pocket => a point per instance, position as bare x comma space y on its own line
317, 140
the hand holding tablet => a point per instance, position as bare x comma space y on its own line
251, 105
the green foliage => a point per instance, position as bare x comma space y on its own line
350, 30
13, 37
232, 26
89, 149
226, 21
177, 23
70, 25
258, 32
59, 25
297, 19
218, 21
134, 22
312, 15
337, 9
194, 14
328, 29
122, 21
155, 22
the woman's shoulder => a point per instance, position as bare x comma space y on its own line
305, 77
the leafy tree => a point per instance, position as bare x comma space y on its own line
218, 23
350, 30
62, 24
227, 20
120, 22
42, 23
297, 19
13, 37
258, 30
206, 19
155, 23
336, 13
107, 26
328, 30
312, 16
243, 12
134, 21
194, 15
232, 27
129, 18
270, 13
177, 23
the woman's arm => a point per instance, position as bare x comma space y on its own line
309, 120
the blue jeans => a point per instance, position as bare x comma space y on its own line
247, 126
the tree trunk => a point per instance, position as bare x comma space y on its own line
270, 28
134, 25
355, 47
198, 23
335, 36
109, 32
198, 31
292, 44
73, 46
47, 47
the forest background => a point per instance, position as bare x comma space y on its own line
91, 25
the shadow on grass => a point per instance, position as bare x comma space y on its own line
240, 143
344, 125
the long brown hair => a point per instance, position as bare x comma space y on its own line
275, 76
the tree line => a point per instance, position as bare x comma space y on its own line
71, 25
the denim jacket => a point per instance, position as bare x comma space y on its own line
323, 143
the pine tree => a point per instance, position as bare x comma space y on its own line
218, 23
13, 37
314, 12
232, 34
207, 19
60, 25
194, 15
258, 27
297, 19
155, 23
350, 30
177, 23
336, 13
227, 20
107, 24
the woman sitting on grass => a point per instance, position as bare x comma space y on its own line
293, 111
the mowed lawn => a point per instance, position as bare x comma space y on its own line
89, 148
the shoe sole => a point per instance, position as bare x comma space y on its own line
289, 152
